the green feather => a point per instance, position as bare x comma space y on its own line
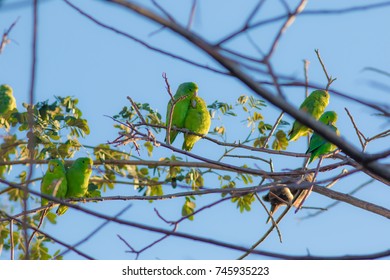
78, 179
318, 145
313, 105
180, 110
54, 181
198, 120
7, 104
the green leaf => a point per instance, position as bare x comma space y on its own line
79, 123
280, 142
259, 142
263, 127
51, 217
244, 202
144, 171
257, 116
149, 148
219, 130
155, 190
242, 99
188, 209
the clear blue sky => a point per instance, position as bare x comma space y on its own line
77, 57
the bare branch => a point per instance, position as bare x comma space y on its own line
290, 20
329, 78
192, 14
5, 39
165, 12
85, 239
270, 216
265, 22
255, 10
358, 132
47, 235
273, 129
356, 202
169, 54
338, 201
11, 237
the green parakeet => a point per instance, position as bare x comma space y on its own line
319, 146
181, 108
314, 105
284, 196
198, 120
54, 181
7, 103
78, 178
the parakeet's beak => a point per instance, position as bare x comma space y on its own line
193, 103
51, 168
196, 92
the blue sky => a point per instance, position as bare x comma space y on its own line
77, 57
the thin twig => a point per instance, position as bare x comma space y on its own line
306, 73
291, 18
165, 12
136, 109
257, 243
358, 132
192, 14
329, 78
30, 120
337, 201
271, 217
167, 85
312, 185
254, 12
85, 239
248, 156
172, 223
5, 39
143, 43
11, 238
43, 214
47, 235
273, 129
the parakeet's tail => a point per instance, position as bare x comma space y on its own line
61, 210
187, 146
43, 201
293, 137
172, 136
312, 155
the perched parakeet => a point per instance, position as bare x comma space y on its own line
7, 101
319, 146
181, 108
314, 105
197, 120
54, 181
78, 178
284, 196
